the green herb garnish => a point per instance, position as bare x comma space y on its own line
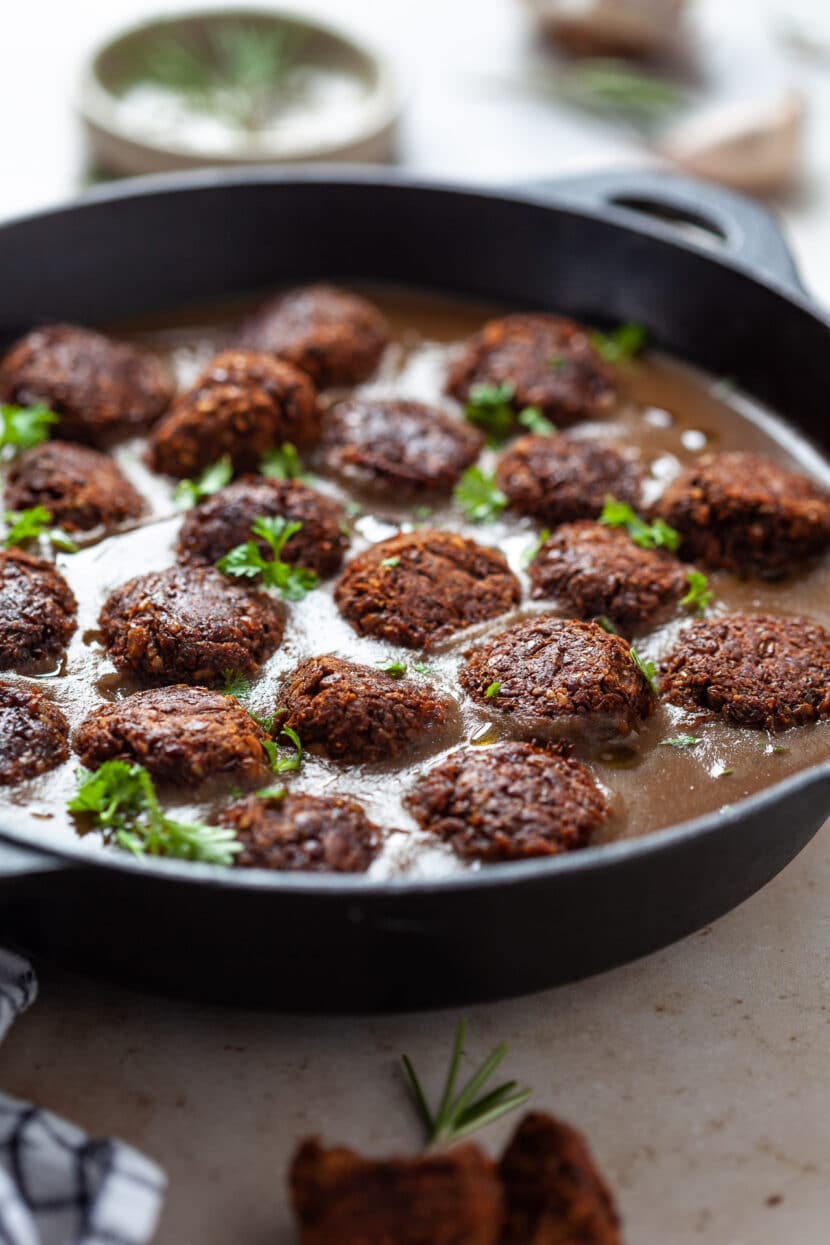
391, 563
646, 668
272, 793
534, 421
492, 691
285, 765
656, 535
421, 513
479, 496
624, 343
489, 407
23, 427
681, 741
602, 620
27, 525
283, 463
700, 594
121, 798
397, 669
236, 684
422, 668
247, 561
533, 551
208, 482
459, 1114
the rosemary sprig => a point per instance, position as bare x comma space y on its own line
461, 1113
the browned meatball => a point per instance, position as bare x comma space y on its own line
549, 362
509, 801
321, 834
747, 514
97, 386
334, 336
37, 609
359, 715
554, 1193
80, 487
224, 520
418, 588
444, 1198
557, 675
753, 670
397, 447
181, 734
189, 625
593, 570
241, 405
33, 734
560, 479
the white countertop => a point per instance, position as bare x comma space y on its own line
700, 1074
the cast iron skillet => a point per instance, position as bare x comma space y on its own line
601, 248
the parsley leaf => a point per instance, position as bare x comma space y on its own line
533, 551
492, 691
391, 563
27, 525
283, 463
625, 342
247, 561
236, 684
656, 535
489, 407
285, 765
210, 481
423, 668
537, 423
396, 668
681, 741
272, 793
121, 799
700, 594
23, 427
479, 496
646, 668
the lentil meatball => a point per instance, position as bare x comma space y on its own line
558, 674
181, 734
37, 609
335, 336
356, 714
747, 514
416, 589
592, 569
224, 520
241, 405
80, 487
397, 447
189, 625
753, 670
33, 734
549, 362
509, 801
560, 479
96, 385
444, 1198
554, 1193
322, 834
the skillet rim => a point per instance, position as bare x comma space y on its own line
553, 194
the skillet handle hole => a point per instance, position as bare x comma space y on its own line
686, 222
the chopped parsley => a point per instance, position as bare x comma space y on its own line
391, 563
479, 497
23, 427
283, 463
681, 741
272, 793
210, 481
397, 669
120, 798
247, 561
624, 343
534, 421
236, 684
646, 668
492, 691
489, 408
28, 525
422, 668
700, 594
656, 535
532, 552
602, 620
285, 765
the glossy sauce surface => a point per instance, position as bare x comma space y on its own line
668, 414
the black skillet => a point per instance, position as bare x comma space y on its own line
710, 277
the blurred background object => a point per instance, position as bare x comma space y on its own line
638, 28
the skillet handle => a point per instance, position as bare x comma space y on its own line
667, 205
17, 864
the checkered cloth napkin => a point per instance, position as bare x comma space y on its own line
58, 1186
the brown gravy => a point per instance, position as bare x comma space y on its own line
668, 412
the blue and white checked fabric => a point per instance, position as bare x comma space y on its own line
58, 1186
